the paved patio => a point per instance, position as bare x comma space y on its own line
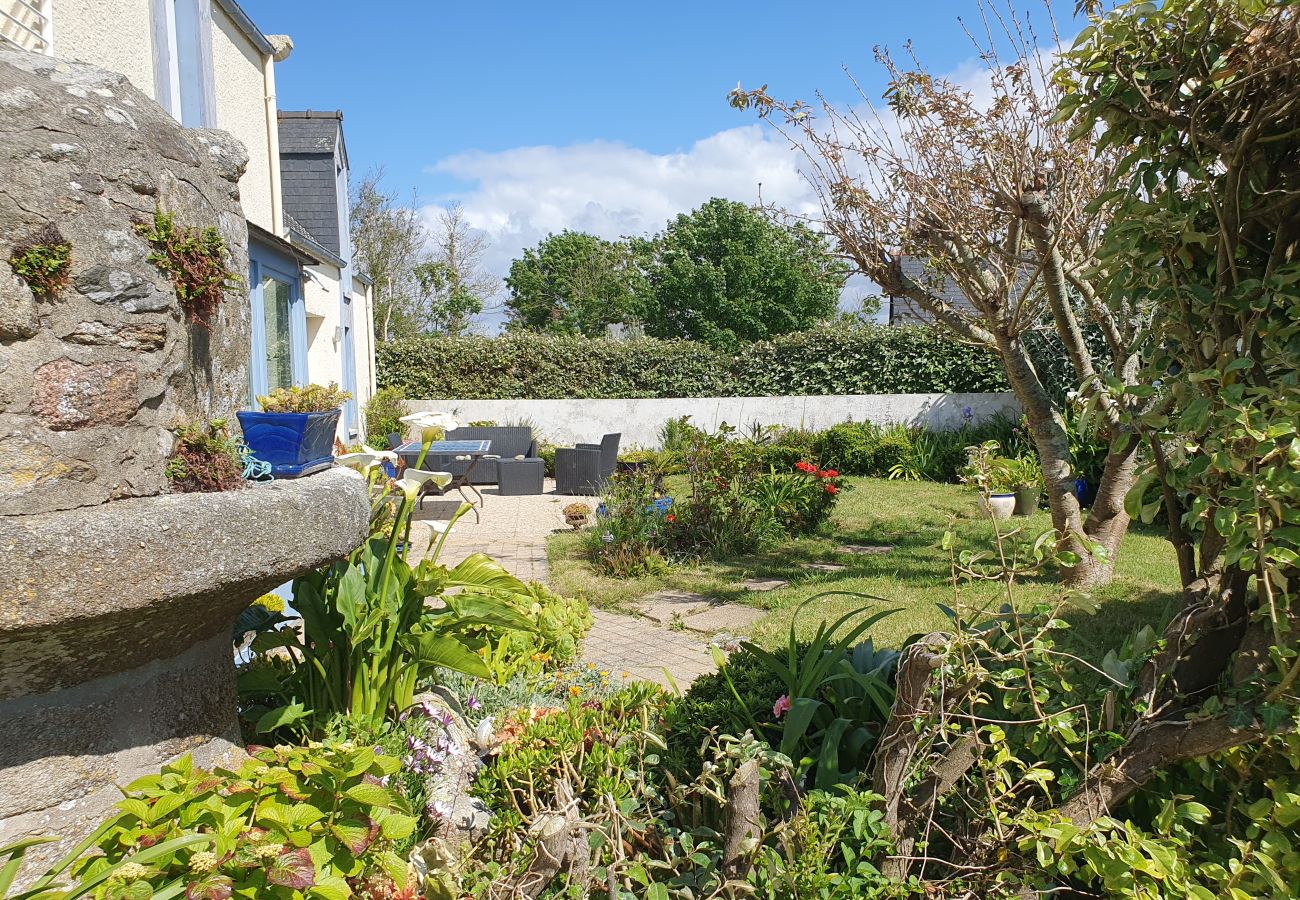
513, 530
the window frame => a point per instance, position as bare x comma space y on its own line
260, 267
173, 82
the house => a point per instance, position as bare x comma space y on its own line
209, 65
903, 311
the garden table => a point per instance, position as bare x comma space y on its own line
473, 450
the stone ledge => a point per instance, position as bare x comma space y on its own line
89, 592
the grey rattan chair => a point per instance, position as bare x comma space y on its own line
584, 468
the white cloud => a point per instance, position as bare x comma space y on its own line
611, 189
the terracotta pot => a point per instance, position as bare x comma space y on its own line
1027, 499
1002, 505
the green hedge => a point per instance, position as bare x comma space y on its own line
864, 360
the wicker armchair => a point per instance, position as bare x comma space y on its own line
584, 468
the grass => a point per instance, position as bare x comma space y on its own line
914, 577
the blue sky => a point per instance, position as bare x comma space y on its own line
608, 117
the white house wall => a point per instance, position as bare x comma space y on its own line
242, 110
111, 34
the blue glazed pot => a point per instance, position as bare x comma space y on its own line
294, 444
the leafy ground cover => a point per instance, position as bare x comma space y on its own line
914, 577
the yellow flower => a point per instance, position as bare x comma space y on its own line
604, 673
131, 871
575, 690
591, 665
541, 657
203, 861
267, 851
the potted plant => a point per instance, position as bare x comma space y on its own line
576, 514
1026, 478
988, 472
294, 431
634, 460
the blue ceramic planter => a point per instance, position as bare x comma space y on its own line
295, 444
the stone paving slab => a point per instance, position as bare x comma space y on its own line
764, 584
664, 606
863, 549
632, 647
825, 567
732, 617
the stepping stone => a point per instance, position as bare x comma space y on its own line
863, 549
764, 584
663, 606
825, 567
729, 616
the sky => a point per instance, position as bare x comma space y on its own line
605, 117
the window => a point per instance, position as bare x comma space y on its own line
279, 357
183, 60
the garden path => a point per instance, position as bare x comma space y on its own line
513, 531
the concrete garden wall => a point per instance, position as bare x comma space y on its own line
566, 422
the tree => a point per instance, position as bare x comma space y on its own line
575, 283
388, 242
1202, 96
996, 195
726, 274
424, 281
453, 282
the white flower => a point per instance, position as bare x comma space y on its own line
413, 479
422, 420
366, 459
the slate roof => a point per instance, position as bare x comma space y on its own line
309, 141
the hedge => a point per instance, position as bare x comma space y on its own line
863, 360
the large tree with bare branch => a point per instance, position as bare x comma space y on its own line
988, 186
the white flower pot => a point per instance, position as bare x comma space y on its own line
1002, 505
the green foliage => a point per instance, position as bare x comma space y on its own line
304, 399
369, 632
575, 283
725, 274
871, 359
43, 261
289, 823
553, 639
714, 704
384, 411
205, 458
628, 537
836, 696
196, 260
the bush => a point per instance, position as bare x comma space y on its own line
710, 706
871, 359
290, 822
384, 413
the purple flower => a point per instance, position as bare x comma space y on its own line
967, 413
474, 704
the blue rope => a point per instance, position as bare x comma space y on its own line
254, 468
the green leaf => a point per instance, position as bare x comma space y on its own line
449, 653
369, 794
280, 717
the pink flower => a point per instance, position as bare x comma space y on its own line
781, 706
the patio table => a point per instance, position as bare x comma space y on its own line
475, 450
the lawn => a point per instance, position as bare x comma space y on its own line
914, 577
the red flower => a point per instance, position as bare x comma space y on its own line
805, 467
831, 473
670, 518
832, 489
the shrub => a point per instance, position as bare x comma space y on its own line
384, 411
291, 822
628, 539
558, 625
871, 359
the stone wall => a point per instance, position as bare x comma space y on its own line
93, 380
